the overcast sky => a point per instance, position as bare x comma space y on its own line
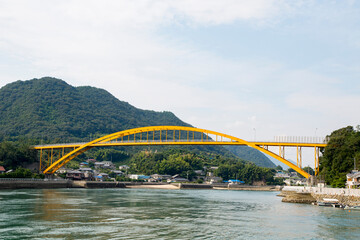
251, 69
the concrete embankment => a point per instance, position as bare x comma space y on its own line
95, 184
33, 183
194, 186
168, 186
294, 194
48, 184
253, 188
223, 186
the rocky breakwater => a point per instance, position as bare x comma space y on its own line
297, 197
349, 197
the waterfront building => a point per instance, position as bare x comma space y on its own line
103, 176
177, 178
138, 177
159, 178
118, 173
88, 173
75, 175
235, 181
63, 170
84, 164
98, 165
124, 167
353, 179
214, 179
199, 172
104, 164
108, 165
281, 174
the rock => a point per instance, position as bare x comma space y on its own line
294, 197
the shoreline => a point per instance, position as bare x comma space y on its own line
7, 184
312, 195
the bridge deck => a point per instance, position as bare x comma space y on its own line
176, 142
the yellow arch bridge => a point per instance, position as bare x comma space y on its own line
54, 156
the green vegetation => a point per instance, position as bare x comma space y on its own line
185, 163
108, 154
15, 154
50, 110
338, 157
247, 172
22, 173
309, 170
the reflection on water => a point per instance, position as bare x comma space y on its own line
166, 214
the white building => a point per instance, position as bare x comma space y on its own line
124, 167
353, 179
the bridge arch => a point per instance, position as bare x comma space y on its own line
108, 140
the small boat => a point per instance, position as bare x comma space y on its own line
352, 208
329, 202
324, 204
338, 205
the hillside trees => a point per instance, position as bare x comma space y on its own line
338, 156
247, 172
17, 154
184, 163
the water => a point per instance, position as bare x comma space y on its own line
166, 214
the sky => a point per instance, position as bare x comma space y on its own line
252, 69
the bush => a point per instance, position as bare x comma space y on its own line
18, 173
199, 180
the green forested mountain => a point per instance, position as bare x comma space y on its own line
50, 110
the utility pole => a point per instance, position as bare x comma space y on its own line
354, 164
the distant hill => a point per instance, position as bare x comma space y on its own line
54, 111
50, 108
252, 155
277, 162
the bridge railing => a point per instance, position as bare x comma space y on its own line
301, 139
137, 141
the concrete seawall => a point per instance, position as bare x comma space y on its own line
33, 183
349, 197
194, 186
47, 184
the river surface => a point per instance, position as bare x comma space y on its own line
166, 214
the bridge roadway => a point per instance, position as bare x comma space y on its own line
171, 135
177, 142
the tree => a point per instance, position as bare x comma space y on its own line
278, 167
309, 170
175, 164
338, 155
13, 155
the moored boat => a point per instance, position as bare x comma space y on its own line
352, 208
329, 202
